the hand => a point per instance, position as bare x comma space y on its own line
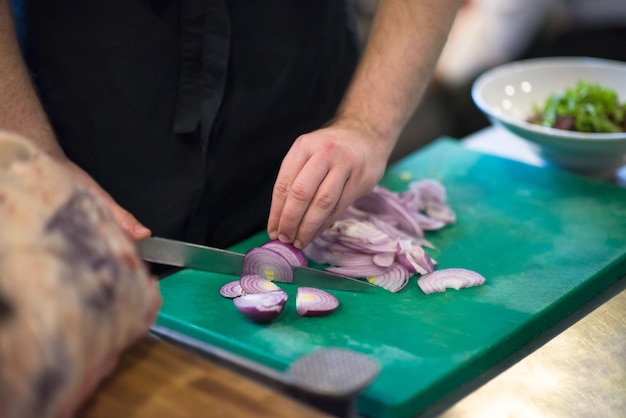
125, 219
323, 173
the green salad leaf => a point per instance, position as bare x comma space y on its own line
593, 108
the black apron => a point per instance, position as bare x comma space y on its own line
183, 110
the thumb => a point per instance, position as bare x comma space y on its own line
129, 223
131, 226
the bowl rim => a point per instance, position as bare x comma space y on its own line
544, 62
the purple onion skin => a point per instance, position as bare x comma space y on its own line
294, 255
262, 308
314, 313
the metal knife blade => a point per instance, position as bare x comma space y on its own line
200, 257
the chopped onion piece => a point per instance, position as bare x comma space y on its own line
255, 283
441, 211
294, 255
315, 302
358, 271
231, 289
269, 264
414, 258
384, 201
389, 227
453, 278
384, 259
394, 279
262, 307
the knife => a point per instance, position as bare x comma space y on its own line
198, 257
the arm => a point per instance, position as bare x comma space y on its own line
327, 170
22, 112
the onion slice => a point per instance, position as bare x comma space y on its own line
267, 263
262, 307
454, 278
394, 279
315, 302
294, 255
255, 283
231, 289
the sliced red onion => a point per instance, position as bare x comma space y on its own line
441, 212
231, 289
453, 278
394, 279
262, 307
315, 302
255, 283
294, 255
384, 201
269, 264
358, 271
384, 259
387, 226
361, 231
414, 258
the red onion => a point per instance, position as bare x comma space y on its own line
315, 302
255, 283
429, 196
380, 236
262, 307
267, 263
356, 271
384, 259
385, 202
453, 278
231, 289
394, 279
294, 255
414, 258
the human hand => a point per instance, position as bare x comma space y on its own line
323, 173
124, 219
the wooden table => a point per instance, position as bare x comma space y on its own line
155, 379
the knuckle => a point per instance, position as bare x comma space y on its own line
281, 189
299, 193
325, 202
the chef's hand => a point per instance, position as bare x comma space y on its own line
131, 226
323, 173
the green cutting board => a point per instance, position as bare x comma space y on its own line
546, 241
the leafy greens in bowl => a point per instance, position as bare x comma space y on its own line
588, 107
510, 96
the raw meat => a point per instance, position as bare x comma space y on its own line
73, 293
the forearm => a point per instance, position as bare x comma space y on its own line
20, 108
404, 44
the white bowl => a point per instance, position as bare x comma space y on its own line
506, 95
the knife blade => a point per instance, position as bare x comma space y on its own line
199, 257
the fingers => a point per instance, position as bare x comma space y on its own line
321, 175
129, 223
302, 219
305, 197
131, 226
291, 166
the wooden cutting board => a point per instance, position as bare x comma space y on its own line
547, 241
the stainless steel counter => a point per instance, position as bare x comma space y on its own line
576, 369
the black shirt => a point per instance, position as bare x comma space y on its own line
183, 110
